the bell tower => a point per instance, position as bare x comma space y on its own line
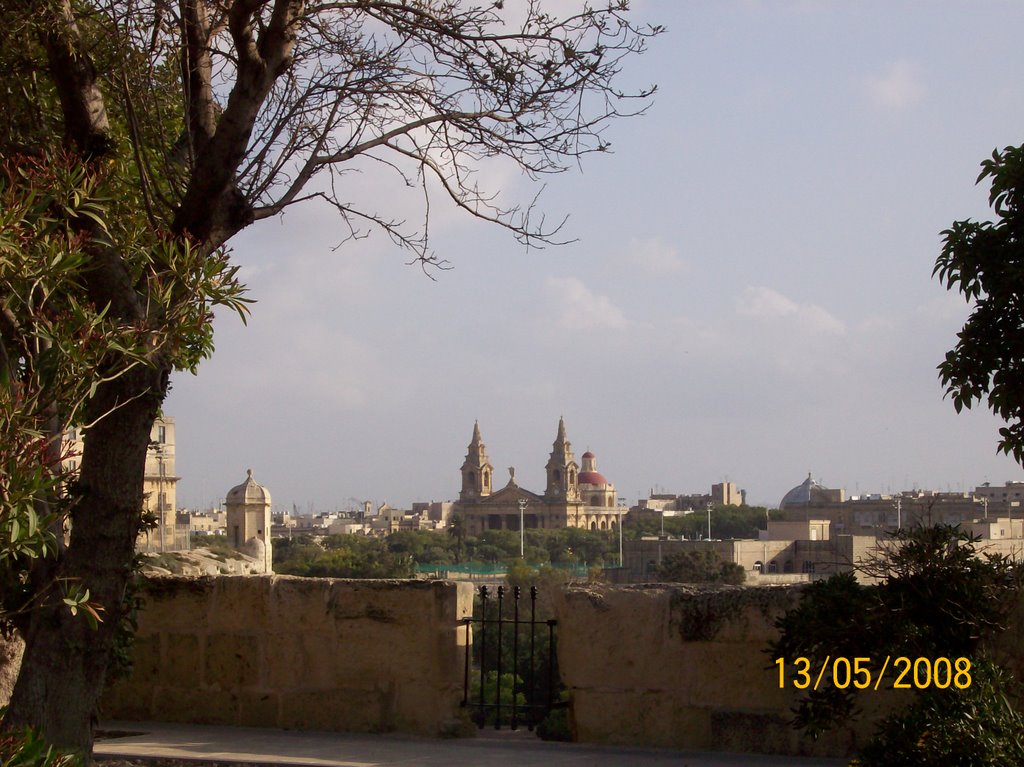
476, 469
562, 470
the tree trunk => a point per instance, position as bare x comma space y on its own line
66, 660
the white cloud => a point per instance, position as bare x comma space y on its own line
900, 86
656, 256
579, 308
767, 304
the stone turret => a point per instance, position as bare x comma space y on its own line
248, 512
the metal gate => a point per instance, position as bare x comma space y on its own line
510, 671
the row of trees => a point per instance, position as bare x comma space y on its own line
397, 555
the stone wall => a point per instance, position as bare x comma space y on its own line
299, 653
684, 667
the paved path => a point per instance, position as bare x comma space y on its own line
323, 749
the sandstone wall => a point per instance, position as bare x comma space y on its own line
684, 667
301, 653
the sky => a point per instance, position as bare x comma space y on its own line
748, 297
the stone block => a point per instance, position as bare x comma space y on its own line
231, 662
340, 710
257, 709
172, 704
170, 602
295, 661
301, 604
241, 603
649, 718
182, 660
147, 660
124, 700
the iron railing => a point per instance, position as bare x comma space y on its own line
518, 681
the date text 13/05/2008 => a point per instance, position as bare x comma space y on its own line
860, 673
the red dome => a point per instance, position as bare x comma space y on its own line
588, 454
592, 478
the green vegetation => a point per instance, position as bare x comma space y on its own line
396, 556
726, 522
699, 567
936, 597
25, 748
341, 556
984, 261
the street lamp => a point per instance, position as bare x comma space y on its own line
522, 532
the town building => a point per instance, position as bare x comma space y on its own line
573, 497
669, 504
879, 514
159, 485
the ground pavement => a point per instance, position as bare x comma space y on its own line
327, 749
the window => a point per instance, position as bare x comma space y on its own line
758, 566
161, 434
773, 567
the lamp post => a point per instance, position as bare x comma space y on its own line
709, 521
621, 564
522, 531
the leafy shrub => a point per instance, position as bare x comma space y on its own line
25, 748
935, 597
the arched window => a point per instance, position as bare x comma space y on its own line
773, 567
788, 566
593, 525
758, 566
604, 525
471, 477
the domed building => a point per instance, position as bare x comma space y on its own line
810, 493
595, 490
572, 498
248, 521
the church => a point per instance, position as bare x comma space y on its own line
575, 496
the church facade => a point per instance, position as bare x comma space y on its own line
573, 496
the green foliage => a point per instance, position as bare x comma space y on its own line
25, 748
555, 726
699, 567
342, 556
985, 262
726, 522
973, 727
509, 689
935, 597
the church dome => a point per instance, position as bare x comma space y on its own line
589, 475
805, 493
249, 492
